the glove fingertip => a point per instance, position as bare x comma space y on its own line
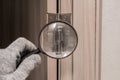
36, 58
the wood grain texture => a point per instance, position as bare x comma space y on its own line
51, 69
65, 64
85, 56
51, 6
66, 6
84, 64
98, 38
67, 68
51, 63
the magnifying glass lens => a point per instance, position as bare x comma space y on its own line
58, 40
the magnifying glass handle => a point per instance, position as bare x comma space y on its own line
26, 54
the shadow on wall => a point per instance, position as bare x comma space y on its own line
22, 18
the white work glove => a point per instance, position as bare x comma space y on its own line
9, 56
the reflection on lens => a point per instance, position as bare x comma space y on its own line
58, 40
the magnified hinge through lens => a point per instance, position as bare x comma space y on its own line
59, 40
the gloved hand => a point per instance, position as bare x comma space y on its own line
9, 56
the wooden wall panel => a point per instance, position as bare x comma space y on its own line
65, 66
84, 64
51, 63
66, 6
84, 20
51, 6
98, 38
67, 63
51, 69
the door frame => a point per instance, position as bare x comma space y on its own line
95, 6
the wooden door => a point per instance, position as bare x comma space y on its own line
87, 22
84, 64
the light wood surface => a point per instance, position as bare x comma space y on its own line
51, 63
84, 64
87, 23
51, 69
51, 6
65, 64
98, 38
66, 6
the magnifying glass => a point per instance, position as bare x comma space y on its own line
56, 39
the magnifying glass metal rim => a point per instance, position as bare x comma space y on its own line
39, 40
39, 50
